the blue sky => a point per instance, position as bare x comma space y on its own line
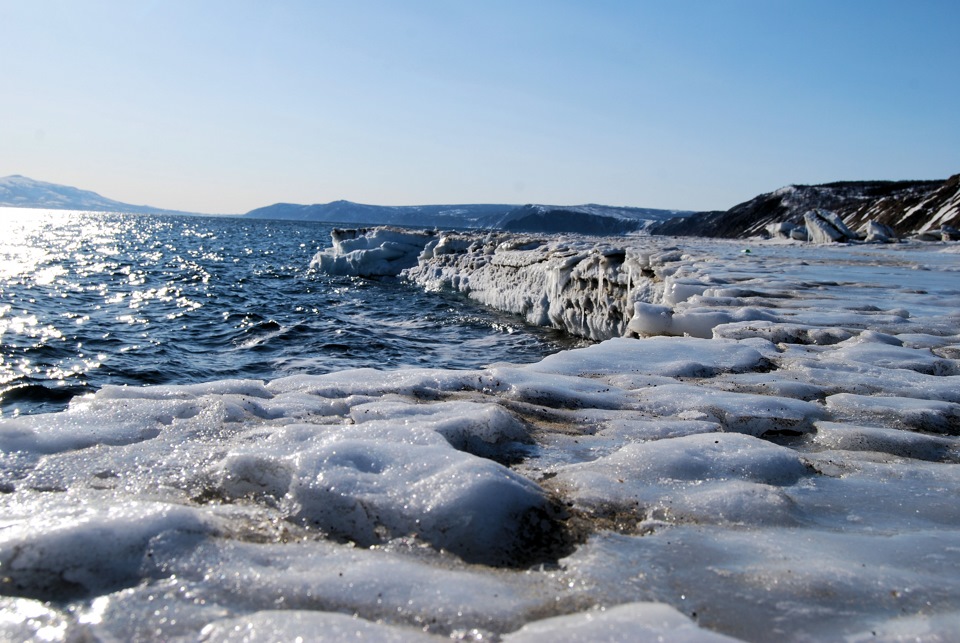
224, 106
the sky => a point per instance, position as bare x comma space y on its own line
225, 106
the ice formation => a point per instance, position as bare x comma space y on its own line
824, 226
372, 252
764, 446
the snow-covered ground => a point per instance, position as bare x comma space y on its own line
764, 448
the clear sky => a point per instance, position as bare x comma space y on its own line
223, 106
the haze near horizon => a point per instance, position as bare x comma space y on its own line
224, 107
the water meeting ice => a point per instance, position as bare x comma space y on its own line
759, 445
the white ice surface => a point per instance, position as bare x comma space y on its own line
791, 475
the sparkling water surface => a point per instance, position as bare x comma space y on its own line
88, 299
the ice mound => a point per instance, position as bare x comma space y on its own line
371, 252
824, 226
714, 477
373, 485
56, 552
663, 356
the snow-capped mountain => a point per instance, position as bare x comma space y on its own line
23, 192
584, 219
906, 206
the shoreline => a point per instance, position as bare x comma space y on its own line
790, 475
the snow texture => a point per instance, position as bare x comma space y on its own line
759, 446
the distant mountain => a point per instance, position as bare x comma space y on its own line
585, 219
906, 206
420, 216
22, 192
588, 219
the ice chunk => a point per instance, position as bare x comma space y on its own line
876, 232
372, 252
782, 230
633, 430
824, 226
651, 319
676, 290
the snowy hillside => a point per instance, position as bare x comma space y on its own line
906, 206
23, 192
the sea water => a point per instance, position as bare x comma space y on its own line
92, 298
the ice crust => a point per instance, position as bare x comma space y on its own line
779, 462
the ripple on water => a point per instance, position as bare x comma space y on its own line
104, 298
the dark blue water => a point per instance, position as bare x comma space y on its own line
88, 299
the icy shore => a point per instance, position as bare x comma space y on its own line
774, 458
